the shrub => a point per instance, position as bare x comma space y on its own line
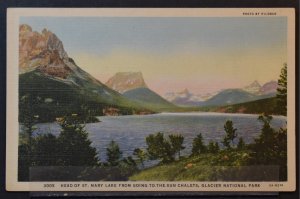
75, 147
141, 155
113, 153
230, 134
213, 147
198, 145
159, 148
241, 144
71, 148
176, 143
270, 148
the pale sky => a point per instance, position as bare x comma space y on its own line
203, 54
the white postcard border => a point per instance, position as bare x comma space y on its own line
13, 15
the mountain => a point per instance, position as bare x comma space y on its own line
269, 88
234, 96
229, 96
253, 88
125, 81
253, 91
149, 99
132, 85
184, 98
52, 78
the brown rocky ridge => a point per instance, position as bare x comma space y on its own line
42, 51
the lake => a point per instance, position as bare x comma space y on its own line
130, 131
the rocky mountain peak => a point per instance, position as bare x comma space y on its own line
185, 91
43, 51
125, 81
253, 88
269, 87
25, 28
255, 83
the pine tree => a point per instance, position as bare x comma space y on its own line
282, 91
159, 148
198, 145
141, 155
213, 147
241, 144
113, 153
176, 143
75, 147
231, 134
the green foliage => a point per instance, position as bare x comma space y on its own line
24, 162
230, 134
159, 148
270, 148
198, 145
71, 148
46, 150
66, 99
213, 147
127, 167
141, 155
113, 153
241, 144
282, 91
176, 143
223, 166
75, 147
28, 118
267, 106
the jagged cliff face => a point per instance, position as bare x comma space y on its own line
42, 51
125, 81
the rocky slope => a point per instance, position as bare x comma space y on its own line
125, 81
43, 51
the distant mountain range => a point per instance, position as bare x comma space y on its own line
186, 98
253, 91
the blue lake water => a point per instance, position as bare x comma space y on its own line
130, 131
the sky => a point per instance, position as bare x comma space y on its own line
202, 54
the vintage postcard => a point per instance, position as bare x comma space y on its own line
150, 99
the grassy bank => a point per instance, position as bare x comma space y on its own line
223, 166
